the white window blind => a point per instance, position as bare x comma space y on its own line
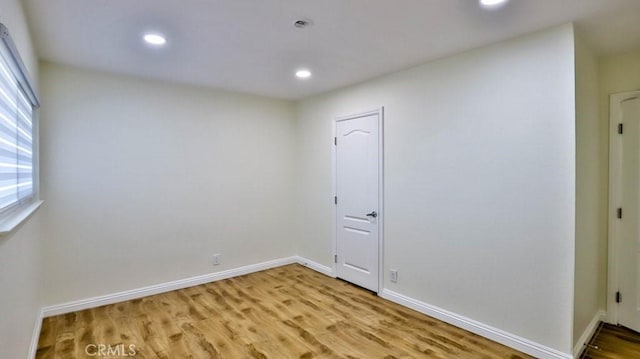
17, 103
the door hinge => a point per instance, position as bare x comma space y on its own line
620, 128
335, 199
335, 141
618, 297
620, 213
335, 258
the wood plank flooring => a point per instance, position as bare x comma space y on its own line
613, 342
286, 312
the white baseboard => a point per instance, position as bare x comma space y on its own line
162, 288
508, 339
315, 266
35, 337
500, 336
588, 333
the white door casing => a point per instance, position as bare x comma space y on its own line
624, 205
358, 185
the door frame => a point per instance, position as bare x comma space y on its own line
615, 197
334, 207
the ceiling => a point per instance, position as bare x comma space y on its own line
251, 46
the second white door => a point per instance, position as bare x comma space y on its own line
358, 169
629, 250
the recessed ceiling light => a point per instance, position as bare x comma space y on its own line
303, 74
492, 3
154, 39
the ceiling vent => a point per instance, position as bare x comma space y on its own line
302, 23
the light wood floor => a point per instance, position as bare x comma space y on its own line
286, 312
613, 342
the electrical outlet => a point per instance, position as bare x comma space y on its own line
394, 275
216, 259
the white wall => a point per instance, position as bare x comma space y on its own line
618, 73
20, 257
479, 182
20, 288
145, 181
591, 206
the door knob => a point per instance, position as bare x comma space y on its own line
373, 214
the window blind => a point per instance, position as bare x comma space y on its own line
16, 127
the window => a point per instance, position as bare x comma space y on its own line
17, 104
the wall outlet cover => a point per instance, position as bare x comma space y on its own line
394, 275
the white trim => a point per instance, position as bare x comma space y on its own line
162, 288
334, 211
328, 271
588, 333
35, 337
524, 345
334, 206
615, 178
19, 215
381, 199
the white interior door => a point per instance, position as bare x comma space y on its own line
629, 244
358, 169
